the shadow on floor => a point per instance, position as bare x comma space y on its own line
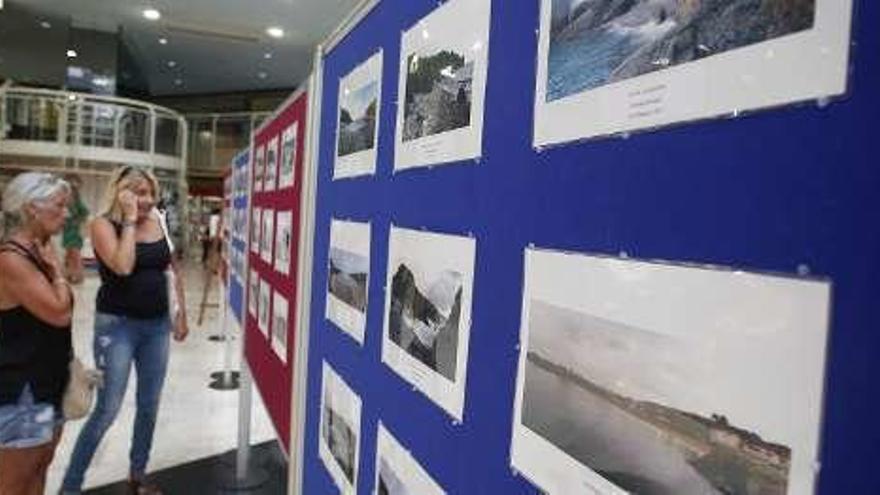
209, 476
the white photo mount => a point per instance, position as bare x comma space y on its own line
283, 241
348, 277
270, 178
443, 124
339, 430
359, 90
264, 310
280, 324
287, 165
434, 272
397, 471
581, 94
674, 363
267, 241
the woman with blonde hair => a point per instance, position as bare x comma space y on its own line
132, 323
36, 306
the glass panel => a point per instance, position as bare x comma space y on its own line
167, 136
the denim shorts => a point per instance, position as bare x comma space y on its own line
27, 424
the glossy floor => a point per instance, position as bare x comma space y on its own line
194, 421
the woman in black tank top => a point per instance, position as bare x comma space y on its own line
36, 307
132, 323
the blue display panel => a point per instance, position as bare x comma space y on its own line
238, 238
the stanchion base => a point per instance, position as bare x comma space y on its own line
222, 383
255, 475
217, 338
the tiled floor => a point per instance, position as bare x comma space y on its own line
194, 421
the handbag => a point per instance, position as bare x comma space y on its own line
80, 391
174, 309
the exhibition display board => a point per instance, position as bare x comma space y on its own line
270, 330
682, 310
236, 223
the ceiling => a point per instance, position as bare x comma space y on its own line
213, 46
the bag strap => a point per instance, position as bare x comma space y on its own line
15, 247
163, 223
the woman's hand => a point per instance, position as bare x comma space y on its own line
181, 327
128, 202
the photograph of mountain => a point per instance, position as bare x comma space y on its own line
442, 85
397, 471
427, 312
676, 387
424, 317
286, 175
270, 177
598, 42
347, 279
357, 119
339, 430
439, 84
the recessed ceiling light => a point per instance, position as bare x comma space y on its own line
275, 32
163, 41
172, 63
71, 53
152, 14
45, 24
178, 82
267, 55
71, 97
262, 75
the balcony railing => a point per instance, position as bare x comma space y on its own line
49, 123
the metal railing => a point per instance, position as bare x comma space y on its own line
45, 122
215, 138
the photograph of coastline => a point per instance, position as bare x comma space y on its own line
279, 326
263, 309
645, 378
286, 175
427, 312
338, 442
267, 240
259, 168
271, 175
256, 224
348, 277
358, 122
443, 79
397, 471
283, 241
608, 66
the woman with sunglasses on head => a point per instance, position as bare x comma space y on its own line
36, 306
132, 323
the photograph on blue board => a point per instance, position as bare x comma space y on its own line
651, 378
357, 126
348, 277
338, 442
397, 471
442, 80
609, 66
598, 42
427, 312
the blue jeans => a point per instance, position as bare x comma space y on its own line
118, 341
27, 424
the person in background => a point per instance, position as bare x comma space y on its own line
72, 239
132, 323
36, 308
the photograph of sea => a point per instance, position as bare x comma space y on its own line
658, 379
599, 42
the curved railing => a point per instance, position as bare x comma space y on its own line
50, 123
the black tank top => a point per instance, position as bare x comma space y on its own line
32, 352
143, 294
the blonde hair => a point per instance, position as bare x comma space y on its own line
123, 178
26, 189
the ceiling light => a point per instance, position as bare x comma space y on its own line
267, 55
178, 82
171, 63
163, 41
45, 25
71, 53
275, 32
152, 14
262, 75
71, 97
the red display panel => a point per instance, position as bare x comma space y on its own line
270, 327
